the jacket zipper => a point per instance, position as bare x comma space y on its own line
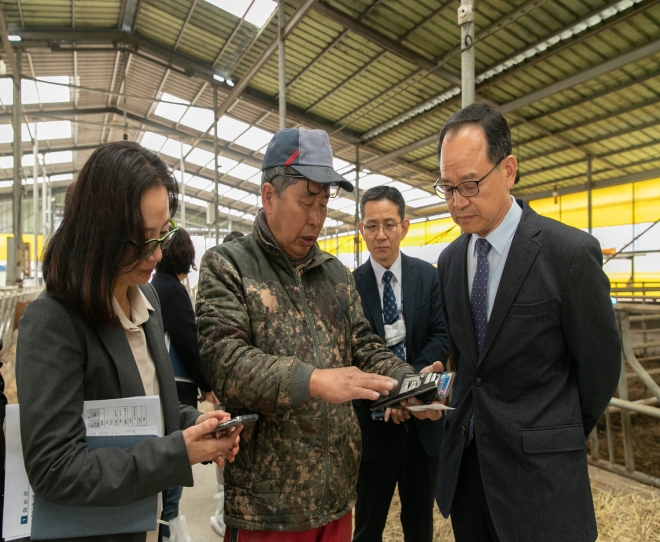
298, 273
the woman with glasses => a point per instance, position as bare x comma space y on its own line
96, 333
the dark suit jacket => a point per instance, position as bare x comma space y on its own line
61, 361
179, 323
426, 341
550, 363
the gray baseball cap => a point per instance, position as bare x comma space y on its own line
306, 151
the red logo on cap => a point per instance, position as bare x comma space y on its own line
292, 158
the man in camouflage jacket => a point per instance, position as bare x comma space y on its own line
282, 334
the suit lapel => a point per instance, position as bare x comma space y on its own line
460, 288
115, 341
372, 298
521, 256
409, 289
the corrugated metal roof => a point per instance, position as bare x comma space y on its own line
360, 68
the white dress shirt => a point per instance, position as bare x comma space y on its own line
137, 340
396, 283
500, 240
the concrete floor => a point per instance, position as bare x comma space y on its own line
198, 505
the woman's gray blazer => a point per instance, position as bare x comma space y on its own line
61, 361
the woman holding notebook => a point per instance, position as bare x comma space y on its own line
96, 333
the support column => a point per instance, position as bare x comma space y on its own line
466, 22
35, 204
14, 259
282, 65
182, 168
216, 197
589, 207
357, 205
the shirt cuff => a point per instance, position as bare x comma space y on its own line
300, 376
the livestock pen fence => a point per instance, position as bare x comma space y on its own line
639, 326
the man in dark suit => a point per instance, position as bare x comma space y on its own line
535, 341
400, 299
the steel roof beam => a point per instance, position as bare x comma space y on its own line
241, 85
518, 103
130, 10
582, 77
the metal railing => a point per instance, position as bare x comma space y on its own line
644, 292
649, 351
9, 298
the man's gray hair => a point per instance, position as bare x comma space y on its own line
278, 177
384, 192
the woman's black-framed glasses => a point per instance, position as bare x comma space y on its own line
467, 189
334, 187
147, 248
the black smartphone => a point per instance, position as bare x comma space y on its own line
247, 419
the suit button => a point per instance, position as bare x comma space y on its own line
463, 430
478, 381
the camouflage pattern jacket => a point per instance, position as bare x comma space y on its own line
257, 319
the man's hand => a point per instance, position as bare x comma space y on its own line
433, 415
348, 383
397, 415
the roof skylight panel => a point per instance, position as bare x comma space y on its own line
200, 157
260, 11
371, 181
235, 193
172, 148
61, 177
224, 164
229, 128
7, 162
254, 138
424, 202
41, 91
250, 199
153, 141
197, 201
199, 183
171, 111
257, 15
60, 157
340, 203
6, 133
243, 172
59, 129
416, 193
401, 187
7, 91
198, 118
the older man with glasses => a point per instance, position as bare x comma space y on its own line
282, 334
535, 341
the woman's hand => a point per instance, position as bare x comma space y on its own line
210, 397
203, 445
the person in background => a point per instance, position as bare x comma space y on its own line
535, 341
181, 336
96, 333
400, 298
232, 235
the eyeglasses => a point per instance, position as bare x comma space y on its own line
468, 189
147, 248
334, 187
373, 229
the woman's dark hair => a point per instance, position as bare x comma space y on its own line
102, 212
488, 116
179, 256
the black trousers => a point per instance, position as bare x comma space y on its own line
405, 462
470, 517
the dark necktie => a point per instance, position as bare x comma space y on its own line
391, 312
479, 308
